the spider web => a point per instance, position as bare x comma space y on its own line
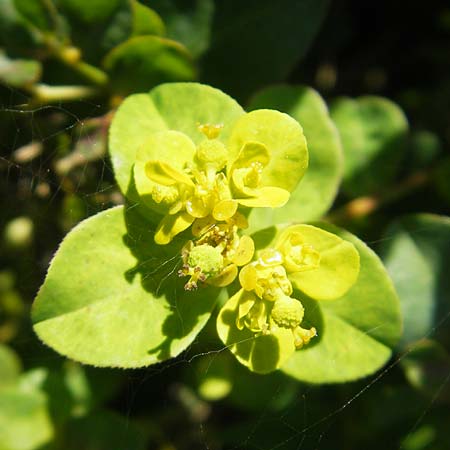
315, 417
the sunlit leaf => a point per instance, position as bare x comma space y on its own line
126, 307
177, 106
357, 332
24, 420
316, 191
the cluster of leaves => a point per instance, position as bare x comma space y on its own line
391, 182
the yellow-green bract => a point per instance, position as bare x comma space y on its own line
112, 296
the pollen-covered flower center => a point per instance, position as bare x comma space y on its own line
206, 258
217, 252
266, 304
287, 312
298, 255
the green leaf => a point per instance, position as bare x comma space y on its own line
19, 72
126, 307
10, 366
92, 12
338, 268
373, 132
175, 106
316, 191
15, 32
426, 366
145, 61
146, 21
415, 251
245, 55
105, 22
34, 12
24, 420
283, 138
357, 332
187, 21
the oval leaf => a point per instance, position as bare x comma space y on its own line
416, 253
24, 419
10, 366
357, 332
145, 61
316, 191
282, 136
373, 132
146, 20
176, 106
338, 268
111, 296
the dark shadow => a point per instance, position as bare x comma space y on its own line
313, 317
157, 266
262, 351
264, 237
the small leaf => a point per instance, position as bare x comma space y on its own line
415, 251
373, 132
283, 138
24, 420
122, 304
357, 332
10, 366
105, 22
34, 12
314, 194
19, 72
188, 22
94, 11
145, 61
426, 366
15, 33
146, 21
176, 106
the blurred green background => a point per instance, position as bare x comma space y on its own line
65, 65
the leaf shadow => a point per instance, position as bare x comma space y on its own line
157, 268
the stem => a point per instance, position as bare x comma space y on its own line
54, 17
43, 93
363, 206
71, 57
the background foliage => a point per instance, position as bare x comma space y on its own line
384, 73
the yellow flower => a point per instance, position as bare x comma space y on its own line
266, 304
203, 188
215, 256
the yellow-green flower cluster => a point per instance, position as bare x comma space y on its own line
303, 260
203, 186
267, 303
